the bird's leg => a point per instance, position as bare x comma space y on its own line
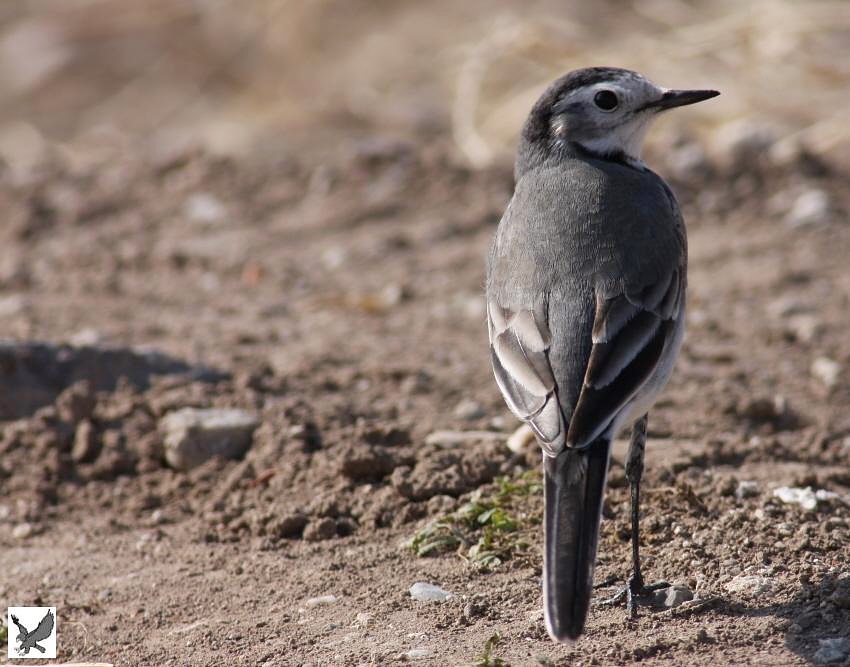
636, 590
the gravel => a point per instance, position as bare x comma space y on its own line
424, 592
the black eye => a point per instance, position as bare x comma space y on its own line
606, 100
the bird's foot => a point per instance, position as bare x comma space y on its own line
659, 595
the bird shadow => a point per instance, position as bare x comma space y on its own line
818, 611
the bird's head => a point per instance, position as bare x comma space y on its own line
606, 111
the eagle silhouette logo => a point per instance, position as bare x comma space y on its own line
30, 640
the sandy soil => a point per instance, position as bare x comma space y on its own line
339, 298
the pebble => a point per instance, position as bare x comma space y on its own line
521, 439
22, 531
418, 653
806, 498
87, 337
751, 585
809, 208
192, 435
803, 327
12, 305
469, 410
451, 438
364, 619
322, 600
428, 592
672, 596
832, 650
204, 207
826, 370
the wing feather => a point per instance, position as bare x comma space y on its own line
631, 332
44, 628
519, 344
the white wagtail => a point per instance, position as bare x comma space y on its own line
586, 307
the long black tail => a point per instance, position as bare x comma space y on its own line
574, 487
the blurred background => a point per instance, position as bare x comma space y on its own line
301, 74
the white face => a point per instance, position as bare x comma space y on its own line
608, 117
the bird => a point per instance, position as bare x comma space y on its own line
30, 640
585, 302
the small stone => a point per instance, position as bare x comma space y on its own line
424, 592
806, 498
521, 439
87, 337
418, 653
204, 208
751, 585
832, 650
364, 619
672, 596
803, 327
192, 436
469, 410
809, 208
321, 601
22, 531
826, 370
13, 304
453, 438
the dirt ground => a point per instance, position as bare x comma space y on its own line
341, 302
334, 289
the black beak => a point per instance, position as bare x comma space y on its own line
680, 98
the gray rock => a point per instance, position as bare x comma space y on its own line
827, 371
752, 585
23, 530
321, 600
672, 596
812, 207
469, 410
192, 436
205, 208
418, 653
424, 592
832, 650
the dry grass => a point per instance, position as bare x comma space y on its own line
231, 71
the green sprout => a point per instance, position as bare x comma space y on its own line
487, 529
487, 659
